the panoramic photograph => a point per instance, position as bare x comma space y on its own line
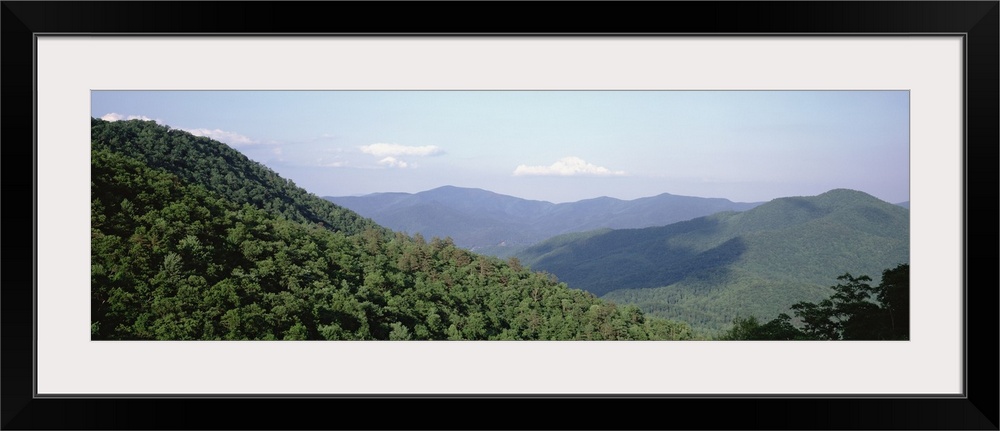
500, 215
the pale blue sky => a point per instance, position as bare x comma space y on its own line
556, 146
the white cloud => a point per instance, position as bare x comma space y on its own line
114, 116
567, 166
278, 154
389, 150
326, 163
393, 162
231, 138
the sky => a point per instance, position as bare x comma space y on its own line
556, 146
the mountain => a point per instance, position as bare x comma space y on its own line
500, 225
710, 269
473, 218
192, 241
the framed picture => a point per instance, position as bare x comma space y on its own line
942, 55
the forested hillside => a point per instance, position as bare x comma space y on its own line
193, 241
708, 270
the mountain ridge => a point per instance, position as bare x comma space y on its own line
493, 218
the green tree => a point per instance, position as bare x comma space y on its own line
894, 294
856, 311
749, 328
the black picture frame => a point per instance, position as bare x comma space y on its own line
977, 21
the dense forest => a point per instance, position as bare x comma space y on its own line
193, 241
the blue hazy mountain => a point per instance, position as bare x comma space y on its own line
500, 225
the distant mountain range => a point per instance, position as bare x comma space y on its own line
501, 225
710, 269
